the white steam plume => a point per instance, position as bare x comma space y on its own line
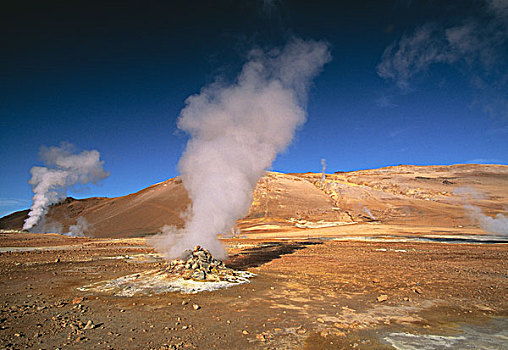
323, 169
79, 228
64, 168
367, 211
497, 225
236, 132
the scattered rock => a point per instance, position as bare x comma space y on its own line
340, 325
89, 325
57, 260
199, 265
375, 280
260, 337
244, 332
196, 307
418, 291
78, 300
382, 297
320, 320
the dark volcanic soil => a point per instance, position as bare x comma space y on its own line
307, 294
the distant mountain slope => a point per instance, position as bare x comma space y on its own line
417, 195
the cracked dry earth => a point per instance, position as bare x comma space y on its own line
305, 295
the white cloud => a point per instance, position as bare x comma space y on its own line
477, 45
11, 202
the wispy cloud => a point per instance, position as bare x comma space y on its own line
10, 205
485, 161
478, 45
385, 102
400, 131
10, 202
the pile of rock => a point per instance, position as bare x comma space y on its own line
199, 265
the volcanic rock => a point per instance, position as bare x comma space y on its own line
199, 265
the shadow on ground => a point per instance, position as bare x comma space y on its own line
258, 256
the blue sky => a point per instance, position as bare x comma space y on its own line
411, 82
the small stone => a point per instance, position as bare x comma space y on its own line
89, 325
185, 302
57, 260
418, 291
340, 325
320, 320
407, 299
260, 337
77, 300
375, 280
245, 332
196, 307
382, 297
17, 335
200, 275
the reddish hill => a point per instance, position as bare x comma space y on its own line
406, 194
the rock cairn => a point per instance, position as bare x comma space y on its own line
199, 265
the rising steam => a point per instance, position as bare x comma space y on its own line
323, 170
236, 131
496, 225
63, 169
79, 228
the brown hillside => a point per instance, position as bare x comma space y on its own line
400, 195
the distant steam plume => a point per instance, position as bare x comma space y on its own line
497, 224
236, 131
323, 170
79, 228
63, 169
367, 211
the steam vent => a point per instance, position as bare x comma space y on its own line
199, 265
196, 271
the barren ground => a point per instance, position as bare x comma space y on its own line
383, 258
308, 293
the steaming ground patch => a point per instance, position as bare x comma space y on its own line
159, 281
197, 271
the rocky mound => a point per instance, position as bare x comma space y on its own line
199, 265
